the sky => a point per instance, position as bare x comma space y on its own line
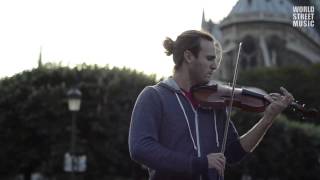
121, 33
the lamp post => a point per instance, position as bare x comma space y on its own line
74, 102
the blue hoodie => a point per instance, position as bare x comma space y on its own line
172, 138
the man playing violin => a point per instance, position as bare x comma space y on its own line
176, 138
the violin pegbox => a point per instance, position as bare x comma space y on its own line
304, 111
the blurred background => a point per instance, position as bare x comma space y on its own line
72, 70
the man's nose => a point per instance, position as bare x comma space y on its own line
213, 65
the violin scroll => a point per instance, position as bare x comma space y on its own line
303, 111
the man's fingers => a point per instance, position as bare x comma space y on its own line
279, 102
275, 96
222, 162
269, 98
278, 105
272, 97
287, 94
220, 168
286, 98
284, 91
217, 161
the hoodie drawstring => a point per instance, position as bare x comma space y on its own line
187, 120
215, 128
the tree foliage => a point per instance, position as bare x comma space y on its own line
35, 123
289, 151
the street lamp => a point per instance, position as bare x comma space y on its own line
74, 99
74, 102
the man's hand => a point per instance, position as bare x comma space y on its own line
278, 103
217, 161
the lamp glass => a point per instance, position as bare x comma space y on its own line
74, 104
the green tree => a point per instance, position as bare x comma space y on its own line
289, 151
35, 122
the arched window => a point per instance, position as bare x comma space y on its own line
248, 53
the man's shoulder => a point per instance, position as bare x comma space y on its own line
152, 90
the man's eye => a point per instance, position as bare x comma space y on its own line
211, 58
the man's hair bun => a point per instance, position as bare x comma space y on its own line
168, 44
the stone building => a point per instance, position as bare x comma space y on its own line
265, 27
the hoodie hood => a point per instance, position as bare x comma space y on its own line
171, 84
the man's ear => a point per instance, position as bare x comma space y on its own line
188, 56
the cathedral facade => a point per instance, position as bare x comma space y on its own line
265, 28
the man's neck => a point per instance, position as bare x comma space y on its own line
183, 80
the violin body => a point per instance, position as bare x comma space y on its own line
220, 96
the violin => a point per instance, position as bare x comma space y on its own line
219, 96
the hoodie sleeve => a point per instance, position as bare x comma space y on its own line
144, 146
234, 151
